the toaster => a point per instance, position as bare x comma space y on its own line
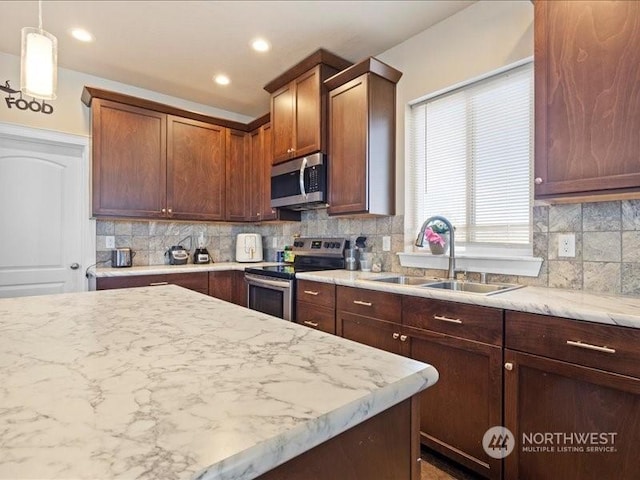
249, 247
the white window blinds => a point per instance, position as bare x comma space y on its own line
470, 160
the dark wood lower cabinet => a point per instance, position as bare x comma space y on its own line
371, 331
566, 402
384, 447
197, 281
467, 400
228, 285
314, 316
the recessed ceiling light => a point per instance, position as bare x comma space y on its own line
222, 80
82, 35
260, 45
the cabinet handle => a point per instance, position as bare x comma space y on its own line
538, 181
360, 302
447, 319
169, 210
311, 292
403, 338
588, 346
155, 284
508, 366
395, 335
311, 324
164, 210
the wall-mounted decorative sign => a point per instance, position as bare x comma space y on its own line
21, 103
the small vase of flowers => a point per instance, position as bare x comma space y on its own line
437, 234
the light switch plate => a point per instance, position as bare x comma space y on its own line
386, 244
110, 241
567, 245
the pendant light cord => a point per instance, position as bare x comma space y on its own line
40, 14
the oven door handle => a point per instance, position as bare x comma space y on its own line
267, 283
303, 166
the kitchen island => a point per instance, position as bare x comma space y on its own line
163, 382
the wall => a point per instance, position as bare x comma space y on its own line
70, 114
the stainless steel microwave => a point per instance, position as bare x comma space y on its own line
300, 184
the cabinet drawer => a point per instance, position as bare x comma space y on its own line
370, 303
604, 347
313, 316
472, 322
317, 293
198, 281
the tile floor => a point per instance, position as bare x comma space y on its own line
437, 467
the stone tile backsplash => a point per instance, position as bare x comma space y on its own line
607, 242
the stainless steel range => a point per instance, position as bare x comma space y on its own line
272, 289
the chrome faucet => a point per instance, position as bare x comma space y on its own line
452, 249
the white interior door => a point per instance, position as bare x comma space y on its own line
42, 198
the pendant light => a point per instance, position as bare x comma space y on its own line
39, 61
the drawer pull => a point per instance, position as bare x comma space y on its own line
588, 346
360, 302
447, 319
395, 335
311, 324
311, 292
403, 338
156, 284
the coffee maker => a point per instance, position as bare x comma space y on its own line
201, 255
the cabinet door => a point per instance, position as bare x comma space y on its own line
372, 332
129, 160
267, 213
256, 175
195, 169
239, 294
467, 400
282, 123
308, 113
193, 281
348, 173
588, 412
237, 185
587, 67
221, 285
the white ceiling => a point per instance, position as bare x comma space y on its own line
176, 47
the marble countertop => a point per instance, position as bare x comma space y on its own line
163, 382
163, 269
579, 305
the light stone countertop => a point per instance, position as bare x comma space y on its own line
579, 305
166, 383
164, 269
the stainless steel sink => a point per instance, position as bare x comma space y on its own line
473, 287
404, 280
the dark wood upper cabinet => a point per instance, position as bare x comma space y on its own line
256, 173
129, 160
362, 131
298, 106
587, 65
237, 186
195, 169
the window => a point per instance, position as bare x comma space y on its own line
471, 161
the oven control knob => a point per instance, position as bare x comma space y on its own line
327, 245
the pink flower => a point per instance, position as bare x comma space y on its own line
433, 237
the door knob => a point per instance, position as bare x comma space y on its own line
74, 266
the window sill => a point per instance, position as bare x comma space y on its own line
504, 265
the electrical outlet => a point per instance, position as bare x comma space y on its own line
274, 242
567, 245
110, 241
386, 244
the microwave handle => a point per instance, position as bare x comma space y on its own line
303, 166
